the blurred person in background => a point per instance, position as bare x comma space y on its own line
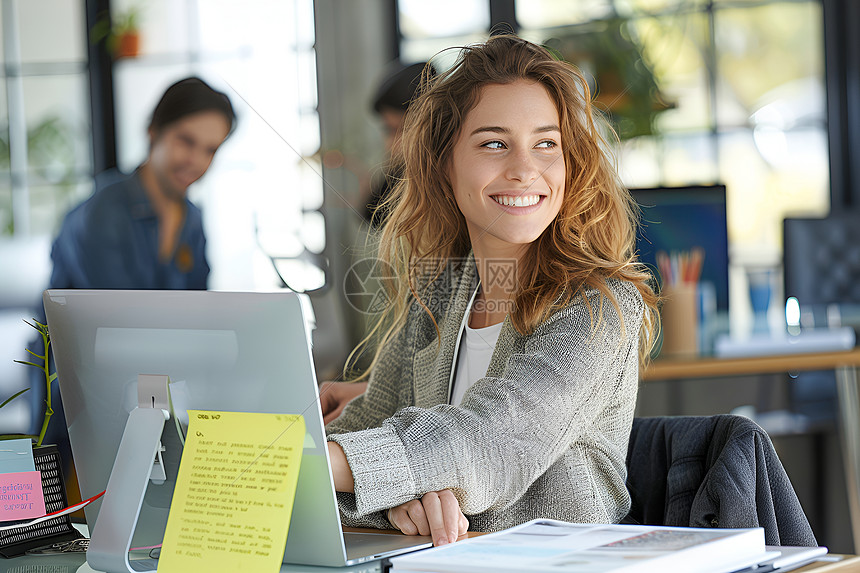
390, 103
140, 231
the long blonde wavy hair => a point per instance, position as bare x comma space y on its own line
591, 239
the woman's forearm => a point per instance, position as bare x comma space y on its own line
340, 468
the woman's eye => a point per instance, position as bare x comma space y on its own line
548, 144
494, 145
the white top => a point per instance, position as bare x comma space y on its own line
473, 357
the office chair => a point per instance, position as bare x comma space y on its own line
821, 259
821, 262
712, 471
821, 267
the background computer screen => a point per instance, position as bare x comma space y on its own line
679, 218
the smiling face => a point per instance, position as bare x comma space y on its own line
507, 169
181, 152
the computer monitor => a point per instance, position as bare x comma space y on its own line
679, 218
245, 352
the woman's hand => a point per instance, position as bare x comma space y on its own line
437, 514
335, 395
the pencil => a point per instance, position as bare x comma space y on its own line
697, 257
665, 267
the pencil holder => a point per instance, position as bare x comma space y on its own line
680, 320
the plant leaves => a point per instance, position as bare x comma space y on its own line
13, 396
17, 436
42, 328
34, 354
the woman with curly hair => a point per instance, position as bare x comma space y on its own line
505, 376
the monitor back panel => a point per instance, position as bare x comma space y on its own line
222, 351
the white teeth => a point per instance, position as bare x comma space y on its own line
518, 201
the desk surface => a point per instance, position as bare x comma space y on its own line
710, 367
71, 563
845, 564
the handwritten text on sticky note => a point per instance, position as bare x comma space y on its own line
21, 496
234, 493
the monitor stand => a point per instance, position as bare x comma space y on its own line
110, 538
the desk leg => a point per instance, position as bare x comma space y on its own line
849, 424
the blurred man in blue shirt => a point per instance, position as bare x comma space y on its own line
140, 231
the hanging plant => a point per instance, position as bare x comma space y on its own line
622, 85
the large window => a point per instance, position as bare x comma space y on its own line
429, 27
699, 92
45, 159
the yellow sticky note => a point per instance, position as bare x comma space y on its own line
234, 493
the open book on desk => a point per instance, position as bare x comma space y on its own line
546, 545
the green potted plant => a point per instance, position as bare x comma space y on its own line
15, 541
121, 32
623, 84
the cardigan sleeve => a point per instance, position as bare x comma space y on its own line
509, 429
384, 393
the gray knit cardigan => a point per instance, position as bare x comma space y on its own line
544, 434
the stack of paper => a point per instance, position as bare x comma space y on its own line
556, 546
